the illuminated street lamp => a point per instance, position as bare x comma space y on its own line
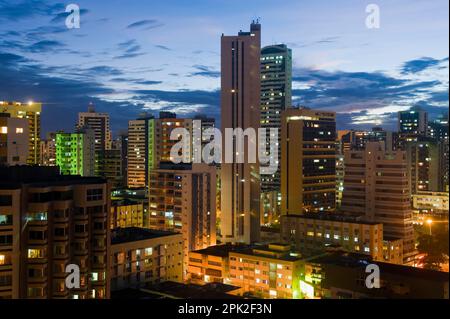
429, 222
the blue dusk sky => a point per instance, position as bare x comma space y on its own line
135, 55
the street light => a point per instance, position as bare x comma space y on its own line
429, 222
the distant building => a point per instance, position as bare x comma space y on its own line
312, 233
75, 153
142, 256
308, 161
48, 150
343, 276
276, 96
431, 202
99, 123
108, 164
13, 140
413, 122
128, 213
30, 111
48, 221
425, 164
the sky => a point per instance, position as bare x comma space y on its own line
133, 56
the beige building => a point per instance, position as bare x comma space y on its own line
99, 123
13, 140
127, 213
308, 161
431, 202
32, 112
142, 256
376, 186
240, 108
182, 199
312, 233
265, 271
48, 221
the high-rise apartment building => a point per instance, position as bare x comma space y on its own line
413, 122
32, 112
276, 96
425, 164
182, 199
108, 164
438, 129
13, 140
48, 221
240, 108
376, 186
308, 161
99, 123
75, 154
141, 150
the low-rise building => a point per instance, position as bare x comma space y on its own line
343, 275
127, 213
143, 256
431, 202
313, 233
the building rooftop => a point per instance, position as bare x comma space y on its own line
12, 177
171, 289
130, 234
337, 217
351, 260
222, 250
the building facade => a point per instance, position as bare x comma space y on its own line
182, 199
99, 123
30, 111
13, 140
240, 108
308, 161
313, 233
140, 257
75, 153
48, 222
276, 96
376, 186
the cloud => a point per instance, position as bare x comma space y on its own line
163, 47
26, 9
61, 17
365, 99
103, 70
45, 46
130, 49
206, 71
136, 81
147, 24
419, 65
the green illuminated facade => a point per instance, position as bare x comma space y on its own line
75, 153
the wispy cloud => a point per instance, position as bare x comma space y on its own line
162, 47
145, 24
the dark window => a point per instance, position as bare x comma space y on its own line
5, 200
95, 194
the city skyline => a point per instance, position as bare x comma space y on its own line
166, 57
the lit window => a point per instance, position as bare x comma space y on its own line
2, 259
279, 266
94, 276
3, 130
35, 253
148, 251
19, 130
